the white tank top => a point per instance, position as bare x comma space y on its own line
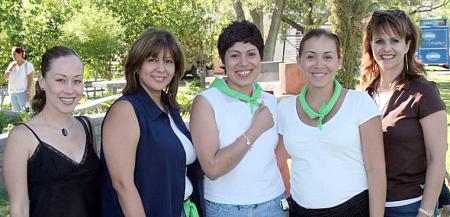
256, 178
190, 155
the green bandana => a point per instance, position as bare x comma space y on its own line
325, 109
252, 100
190, 209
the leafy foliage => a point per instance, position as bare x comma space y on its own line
186, 96
307, 13
4, 203
97, 38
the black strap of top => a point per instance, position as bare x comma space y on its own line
87, 127
37, 137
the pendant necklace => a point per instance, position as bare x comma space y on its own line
64, 130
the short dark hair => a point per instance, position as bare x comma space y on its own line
317, 33
149, 44
239, 31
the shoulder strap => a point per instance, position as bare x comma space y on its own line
88, 129
37, 137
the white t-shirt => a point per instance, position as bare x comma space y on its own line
18, 77
327, 165
190, 155
257, 177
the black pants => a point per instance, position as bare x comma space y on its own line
357, 206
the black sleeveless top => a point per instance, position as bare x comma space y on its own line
61, 187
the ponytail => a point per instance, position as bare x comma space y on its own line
39, 99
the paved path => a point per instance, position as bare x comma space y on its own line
440, 72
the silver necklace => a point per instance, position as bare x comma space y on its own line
64, 130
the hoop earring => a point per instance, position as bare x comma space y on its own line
407, 65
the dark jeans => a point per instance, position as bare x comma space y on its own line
357, 206
409, 210
444, 197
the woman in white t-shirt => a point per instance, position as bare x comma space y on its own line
333, 136
19, 75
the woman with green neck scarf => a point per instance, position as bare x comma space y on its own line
333, 136
234, 133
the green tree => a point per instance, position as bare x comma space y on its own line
256, 10
97, 35
306, 14
347, 24
41, 25
10, 34
194, 23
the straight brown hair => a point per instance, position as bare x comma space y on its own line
149, 44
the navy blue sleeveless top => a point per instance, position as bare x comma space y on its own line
160, 163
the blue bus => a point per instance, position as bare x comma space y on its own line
435, 42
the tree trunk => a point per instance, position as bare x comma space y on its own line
309, 20
347, 18
293, 24
258, 18
269, 48
237, 5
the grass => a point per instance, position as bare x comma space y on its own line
443, 82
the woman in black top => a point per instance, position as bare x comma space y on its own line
50, 166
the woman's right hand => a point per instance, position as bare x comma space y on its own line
262, 121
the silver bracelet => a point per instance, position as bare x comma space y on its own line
426, 213
248, 141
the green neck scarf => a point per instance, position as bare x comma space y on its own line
190, 209
253, 100
325, 109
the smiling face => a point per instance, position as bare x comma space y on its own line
242, 65
388, 50
63, 84
156, 73
319, 61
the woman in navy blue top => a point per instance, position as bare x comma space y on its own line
145, 142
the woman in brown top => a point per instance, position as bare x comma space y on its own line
414, 116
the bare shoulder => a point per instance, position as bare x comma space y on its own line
200, 105
21, 138
199, 100
120, 109
121, 115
